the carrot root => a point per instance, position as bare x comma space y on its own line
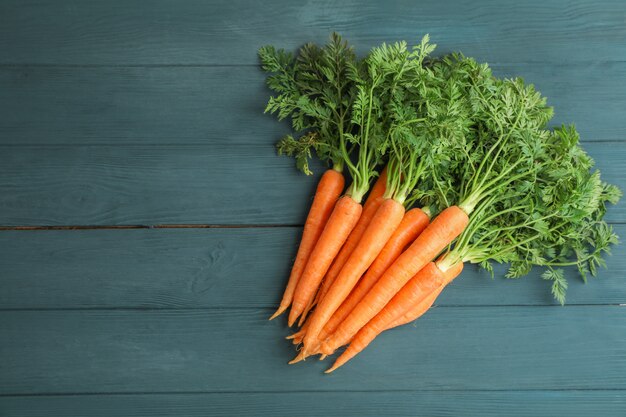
412, 224
381, 227
374, 200
415, 298
339, 225
441, 232
328, 191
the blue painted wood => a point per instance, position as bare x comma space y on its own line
314, 404
235, 350
223, 106
229, 31
132, 113
147, 185
218, 268
151, 185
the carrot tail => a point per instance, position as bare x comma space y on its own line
380, 229
307, 309
299, 358
440, 233
339, 225
374, 200
413, 299
302, 355
298, 339
299, 335
328, 191
412, 224
295, 336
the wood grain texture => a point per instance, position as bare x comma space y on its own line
151, 185
109, 185
221, 268
464, 348
230, 31
220, 107
329, 404
135, 113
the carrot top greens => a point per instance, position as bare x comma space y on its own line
315, 90
453, 134
530, 194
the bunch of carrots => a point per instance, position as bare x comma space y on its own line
462, 169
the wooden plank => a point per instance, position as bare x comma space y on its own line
229, 32
222, 106
234, 350
108, 185
315, 404
220, 268
151, 185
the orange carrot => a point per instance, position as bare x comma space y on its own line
374, 200
378, 189
339, 225
412, 224
412, 314
299, 358
420, 308
297, 337
308, 308
439, 234
410, 302
328, 191
378, 232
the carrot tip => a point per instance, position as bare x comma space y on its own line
299, 358
278, 312
331, 369
296, 335
302, 319
292, 318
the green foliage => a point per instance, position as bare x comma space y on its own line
531, 193
315, 90
300, 149
453, 134
559, 283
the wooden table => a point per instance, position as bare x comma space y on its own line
148, 226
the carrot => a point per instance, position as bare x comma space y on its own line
420, 308
413, 300
412, 224
339, 225
383, 224
440, 233
299, 358
413, 313
374, 200
328, 191
312, 303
